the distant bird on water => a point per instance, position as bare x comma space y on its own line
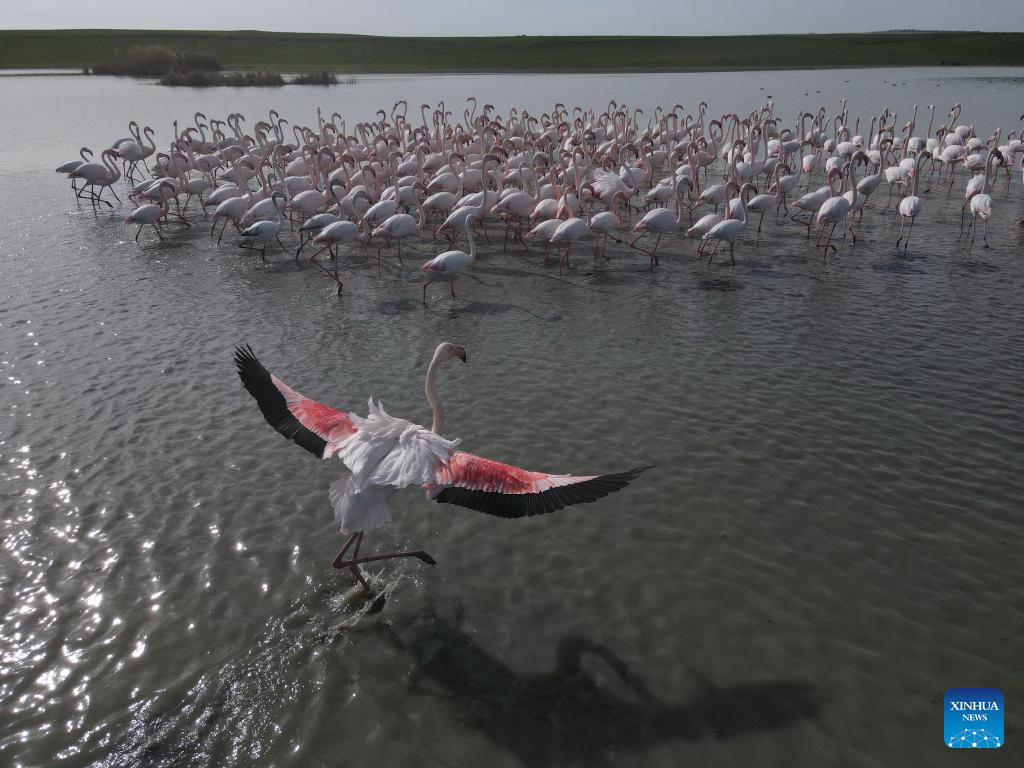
384, 454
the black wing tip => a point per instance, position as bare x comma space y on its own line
244, 357
551, 500
258, 382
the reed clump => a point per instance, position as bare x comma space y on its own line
323, 77
201, 79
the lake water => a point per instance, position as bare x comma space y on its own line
830, 539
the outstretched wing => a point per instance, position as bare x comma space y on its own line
506, 491
316, 427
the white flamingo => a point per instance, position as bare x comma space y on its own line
911, 205
729, 229
447, 265
264, 231
148, 214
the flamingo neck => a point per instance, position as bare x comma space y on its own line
431, 393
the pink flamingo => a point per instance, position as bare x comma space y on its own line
662, 221
385, 454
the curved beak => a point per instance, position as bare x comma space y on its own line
461, 354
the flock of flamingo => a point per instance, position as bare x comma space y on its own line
556, 178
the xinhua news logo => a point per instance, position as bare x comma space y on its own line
974, 718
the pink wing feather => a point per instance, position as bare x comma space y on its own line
316, 427
508, 491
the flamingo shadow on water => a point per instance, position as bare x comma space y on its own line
591, 708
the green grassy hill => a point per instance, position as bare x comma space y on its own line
357, 54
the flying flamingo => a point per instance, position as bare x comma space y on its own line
384, 454
911, 205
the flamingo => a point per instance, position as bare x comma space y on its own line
837, 208
102, 174
545, 230
446, 266
73, 165
314, 224
568, 232
396, 228
729, 229
264, 231
763, 203
981, 201
604, 223
980, 185
384, 454
662, 221
812, 201
232, 209
149, 214
911, 205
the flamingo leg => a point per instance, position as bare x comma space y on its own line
888, 201
909, 231
340, 562
565, 259
828, 242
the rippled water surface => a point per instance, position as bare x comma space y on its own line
829, 541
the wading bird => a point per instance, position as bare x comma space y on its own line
384, 454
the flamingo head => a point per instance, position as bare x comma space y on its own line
448, 351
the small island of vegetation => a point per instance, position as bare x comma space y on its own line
196, 69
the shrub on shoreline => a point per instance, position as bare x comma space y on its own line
156, 61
